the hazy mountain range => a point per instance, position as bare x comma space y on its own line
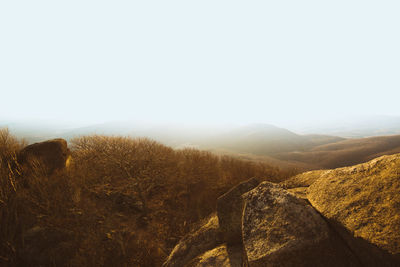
310, 147
354, 127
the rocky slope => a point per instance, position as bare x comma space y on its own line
342, 217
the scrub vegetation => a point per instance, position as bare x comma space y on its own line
120, 201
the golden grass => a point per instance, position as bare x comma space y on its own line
364, 198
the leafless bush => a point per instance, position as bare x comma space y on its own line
96, 198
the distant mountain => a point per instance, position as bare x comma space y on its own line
169, 134
354, 127
172, 135
344, 153
265, 139
258, 142
35, 131
284, 148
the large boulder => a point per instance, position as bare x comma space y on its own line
343, 217
230, 212
49, 155
280, 229
195, 244
365, 200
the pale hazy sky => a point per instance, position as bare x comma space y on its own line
198, 61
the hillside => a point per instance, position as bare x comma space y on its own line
265, 139
286, 149
344, 153
119, 201
127, 202
253, 138
255, 142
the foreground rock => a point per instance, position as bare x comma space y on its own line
50, 155
280, 229
222, 256
343, 217
365, 199
230, 212
195, 243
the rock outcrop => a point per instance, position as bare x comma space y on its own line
49, 155
342, 217
280, 229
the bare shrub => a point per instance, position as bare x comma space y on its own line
123, 201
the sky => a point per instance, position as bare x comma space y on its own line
198, 61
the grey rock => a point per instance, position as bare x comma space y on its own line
280, 229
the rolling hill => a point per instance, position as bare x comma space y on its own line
254, 142
265, 139
344, 153
277, 146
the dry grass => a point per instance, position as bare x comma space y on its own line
363, 198
121, 202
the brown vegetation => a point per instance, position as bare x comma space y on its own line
121, 202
